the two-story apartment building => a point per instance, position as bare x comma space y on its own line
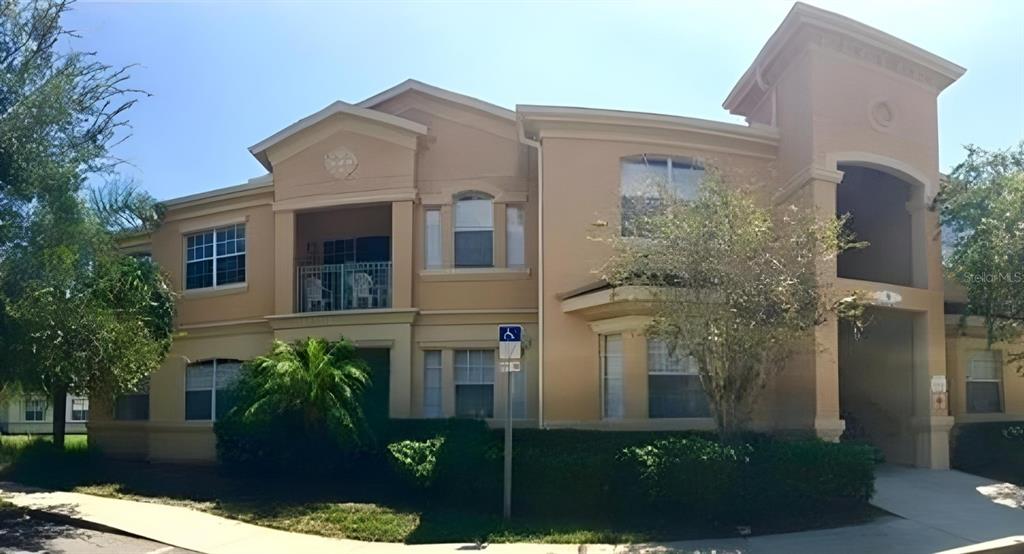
417, 220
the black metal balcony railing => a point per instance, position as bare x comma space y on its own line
351, 286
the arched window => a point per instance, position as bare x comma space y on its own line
646, 177
474, 230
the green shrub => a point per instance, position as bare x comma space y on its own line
992, 449
416, 461
37, 461
689, 475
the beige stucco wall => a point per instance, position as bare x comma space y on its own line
960, 343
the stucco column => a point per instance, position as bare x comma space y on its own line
402, 264
500, 247
284, 266
447, 237
827, 423
448, 382
931, 421
400, 385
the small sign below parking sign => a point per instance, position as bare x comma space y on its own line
510, 342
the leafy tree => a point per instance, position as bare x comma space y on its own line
982, 208
308, 394
733, 285
75, 315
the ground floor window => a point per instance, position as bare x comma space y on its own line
613, 399
518, 384
35, 409
79, 409
673, 384
206, 384
474, 383
432, 383
985, 382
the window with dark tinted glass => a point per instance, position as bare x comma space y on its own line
216, 257
208, 388
644, 179
474, 230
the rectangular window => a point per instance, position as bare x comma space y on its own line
474, 383
132, 407
985, 382
339, 251
206, 389
673, 384
35, 409
432, 238
215, 258
515, 236
518, 383
613, 401
432, 383
644, 178
474, 232
79, 409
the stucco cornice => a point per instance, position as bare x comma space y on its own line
437, 92
346, 317
809, 26
804, 176
254, 186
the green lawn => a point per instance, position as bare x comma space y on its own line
362, 509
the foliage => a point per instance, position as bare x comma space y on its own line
123, 208
992, 449
416, 460
734, 285
982, 210
306, 394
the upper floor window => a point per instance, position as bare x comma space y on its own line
515, 236
432, 238
474, 230
35, 409
673, 384
215, 258
645, 178
206, 384
985, 382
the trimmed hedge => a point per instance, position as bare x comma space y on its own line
588, 473
992, 449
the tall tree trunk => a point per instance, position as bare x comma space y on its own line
60, 407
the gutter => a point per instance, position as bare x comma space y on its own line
540, 267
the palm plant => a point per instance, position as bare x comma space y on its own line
323, 381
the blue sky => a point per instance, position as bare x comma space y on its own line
225, 75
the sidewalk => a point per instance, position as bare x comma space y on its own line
209, 534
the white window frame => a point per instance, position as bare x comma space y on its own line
433, 238
484, 376
433, 397
519, 252
213, 391
971, 357
33, 402
606, 380
215, 232
456, 228
687, 368
71, 413
646, 159
520, 394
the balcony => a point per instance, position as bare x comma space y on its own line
349, 286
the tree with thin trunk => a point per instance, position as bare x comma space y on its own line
76, 316
733, 284
982, 211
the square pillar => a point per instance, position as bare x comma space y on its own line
931, 422
284, 266
402, 265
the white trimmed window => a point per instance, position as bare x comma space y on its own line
215, 258
432, 238
432, 383
515, 236
206, 384
35, 409
642, 180
518, 384
613, 399
673, 384
133, 406
985, 382
474, 230
474, 383
79, 409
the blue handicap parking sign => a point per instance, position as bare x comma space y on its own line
510, 333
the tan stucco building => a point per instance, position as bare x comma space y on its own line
415, 221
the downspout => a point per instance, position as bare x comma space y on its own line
540, 268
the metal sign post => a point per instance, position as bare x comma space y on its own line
510, 349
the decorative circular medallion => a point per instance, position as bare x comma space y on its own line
341, 163
882, 115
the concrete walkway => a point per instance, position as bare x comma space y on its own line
939, 507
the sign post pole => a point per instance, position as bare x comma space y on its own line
510, 344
